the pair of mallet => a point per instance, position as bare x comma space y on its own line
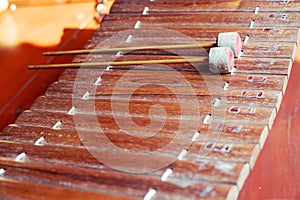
221, 58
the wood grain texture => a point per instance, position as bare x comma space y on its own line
128, 20
88, 165
70, 137
207, 33
194, 6
232, 114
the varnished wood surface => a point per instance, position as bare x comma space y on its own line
57, 145
202, 19
210, 33
194, 6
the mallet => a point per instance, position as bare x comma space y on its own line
226, 39
221, 60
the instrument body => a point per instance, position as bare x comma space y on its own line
214, 130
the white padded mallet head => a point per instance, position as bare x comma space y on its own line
232, 40
221, 60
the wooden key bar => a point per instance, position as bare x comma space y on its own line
88, 168
137, 109
192, 6
148, 116
230, 133
195, 80
16, 187
243, 19
208, 33
265, 96
115, 193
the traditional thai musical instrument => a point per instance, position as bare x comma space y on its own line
156, 131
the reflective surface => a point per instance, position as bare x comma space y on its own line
27, 31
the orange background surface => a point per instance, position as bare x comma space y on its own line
27, 32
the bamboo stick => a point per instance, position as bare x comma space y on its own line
115, 63
109, 50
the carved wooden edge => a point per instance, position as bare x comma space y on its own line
254, 156
272, 118
298, 37
284, 86
294, 52
233, 193
263, 137
244, 173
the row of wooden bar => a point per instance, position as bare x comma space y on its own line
49, 144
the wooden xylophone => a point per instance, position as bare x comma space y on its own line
171, 131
